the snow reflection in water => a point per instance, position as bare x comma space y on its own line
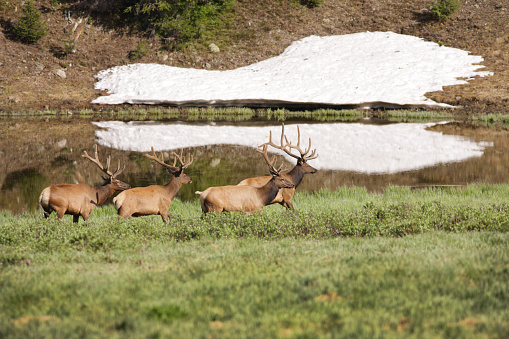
356, 147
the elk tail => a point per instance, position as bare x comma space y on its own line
44, 197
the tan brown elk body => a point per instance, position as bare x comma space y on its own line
285, 195
81, 199
244, 198
154, 199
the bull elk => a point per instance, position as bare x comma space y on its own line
245, 198
285, 195
154, 199
81, 199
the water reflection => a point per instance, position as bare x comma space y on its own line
357, 147
23, 189
40, 164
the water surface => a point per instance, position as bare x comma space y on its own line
35, 154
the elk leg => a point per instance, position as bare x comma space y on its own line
287, 199
85, 215
75, 218
123, 214
288, 205
210, 207
165, 216
60, 213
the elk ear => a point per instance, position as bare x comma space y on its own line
175, 173
273, 173
106, 178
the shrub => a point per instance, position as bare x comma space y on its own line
443, 9
178, 20
140, 51
311, 3
30, 27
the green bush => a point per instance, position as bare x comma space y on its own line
443, 9
311, 3
140, 51
30, 27
177, 21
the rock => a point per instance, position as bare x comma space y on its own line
164, 57
60, 73
61, 144
213, 48
14, 98
215, 162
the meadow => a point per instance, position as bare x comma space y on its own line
399, 264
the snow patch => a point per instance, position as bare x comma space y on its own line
369, 69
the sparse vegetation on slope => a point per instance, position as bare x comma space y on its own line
55, 74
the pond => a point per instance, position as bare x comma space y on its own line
367, 153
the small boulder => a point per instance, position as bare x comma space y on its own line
61, 144
60, 73
213, 48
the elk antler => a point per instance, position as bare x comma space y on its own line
184, 163
270, 163
174, 169
106, 169
303, 154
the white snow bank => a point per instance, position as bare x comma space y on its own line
370, 69
371, 149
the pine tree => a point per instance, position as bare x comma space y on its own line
30, 27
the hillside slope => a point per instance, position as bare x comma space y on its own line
29, 74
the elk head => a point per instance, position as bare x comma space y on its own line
110, 178
176, 171
279, 180
287, 147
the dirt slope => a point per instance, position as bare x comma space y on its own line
29, 73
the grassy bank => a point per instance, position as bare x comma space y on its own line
238, 114
235, 114
405, 263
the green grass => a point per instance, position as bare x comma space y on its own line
415, 115
247, 114
491, 120
402, 264
240, 114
